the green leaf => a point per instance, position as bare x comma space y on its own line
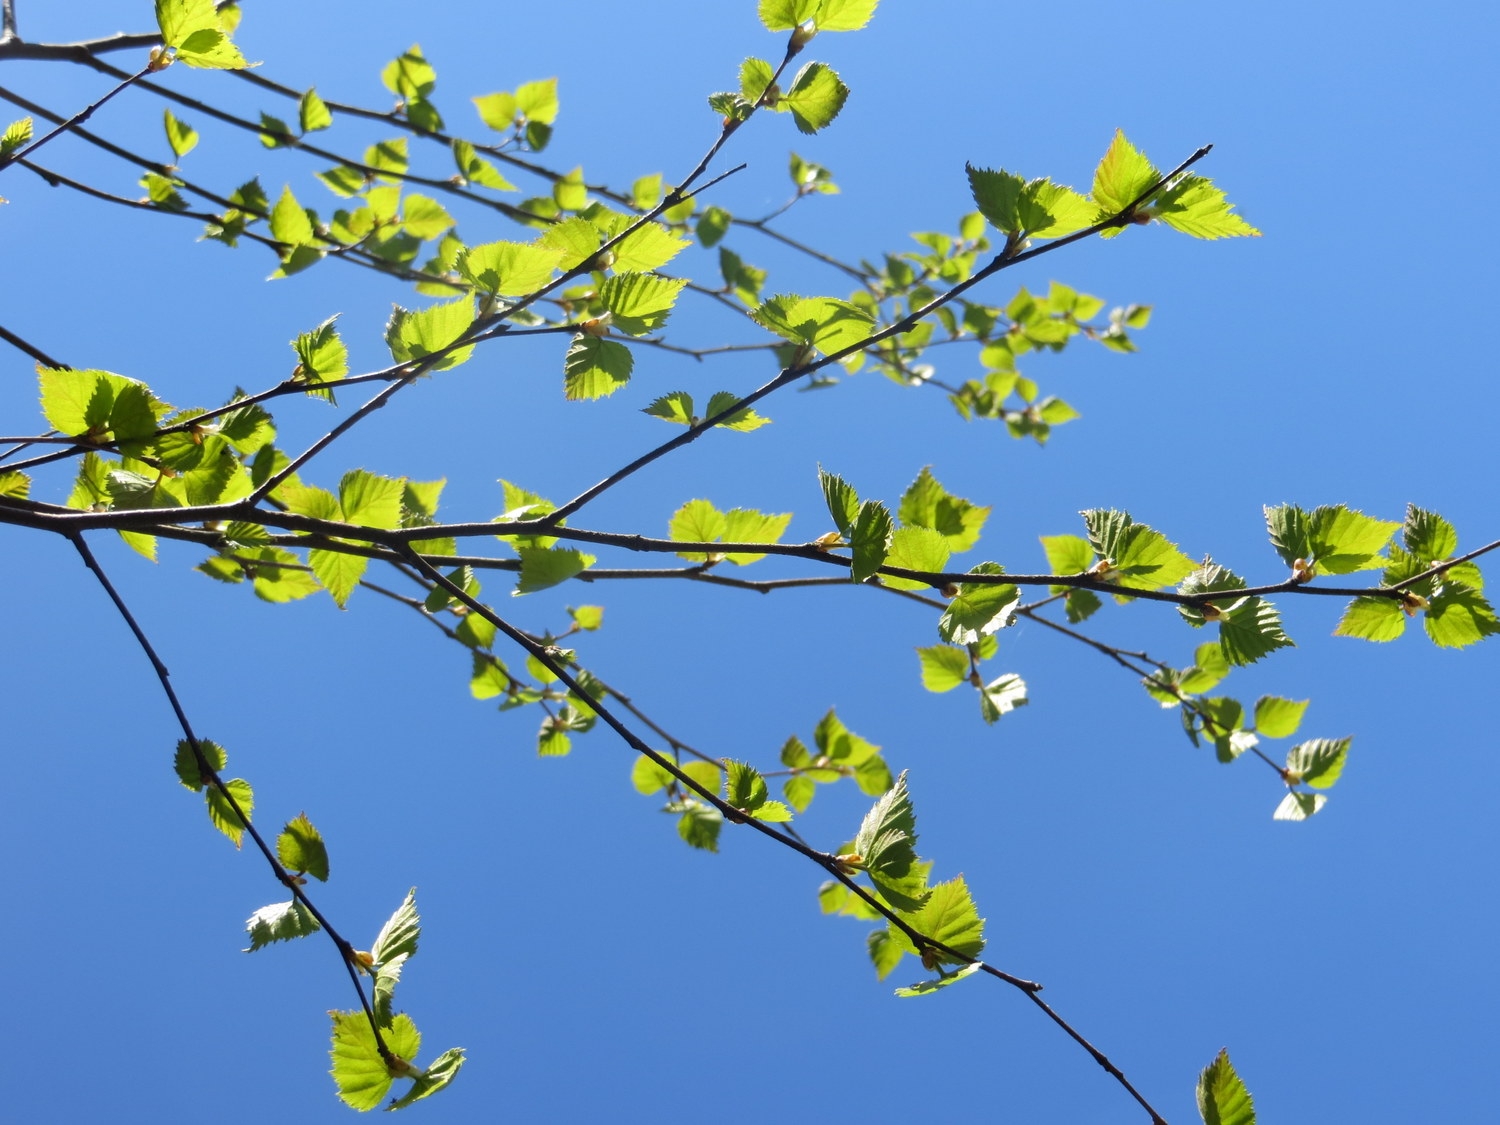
185, 762
1339, 540
587, 617
96, 403
915, 548
944, 667
815, 98
1139, 556
978, 609
697, 521
755, 77
639, 302
997, 194
699, 825
321, 355
409, 74
885, 953
537, 101
542, 567
1318, 762
675, 407
1208, 669
784, 15
594, 368
399, 936
828, 324
928, 987
926, 503
713, 224
359, 1071
289, 221
1122, 176
1194, 206
743, 420
799, 792
649, 247
1249, 628
1049, 210
1428, 535
338, 571
181, 136
312, 113
648, 777
745, 280
281, 921
1458, 615
746, 525
1299, 806
279, 575
439, 1073
476, 169
511, 268
842, 501
301, 849
194, 30
415, 335
423, 217
886, 843
1002, 696
17, 135
1222, 1097
1372, 619
222, 813
744, 788
948, 916
1067, 554
488, 678
370, 500
869, 538
1278, 718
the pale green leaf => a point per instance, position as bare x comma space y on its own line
281, 921
415, 335
944, 667
301, 849
1278, 718
223, 813
594, 368
1222, 1097
1318, 762
928, 987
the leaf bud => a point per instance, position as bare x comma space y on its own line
802, 35
1304, 570
950, 590
598, 326
1412, 603
827, 540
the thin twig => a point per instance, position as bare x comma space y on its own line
211, 775
78, 118
1005, 260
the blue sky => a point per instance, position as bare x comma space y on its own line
593, 966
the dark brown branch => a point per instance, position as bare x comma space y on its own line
32, 350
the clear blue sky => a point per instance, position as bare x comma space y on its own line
594, 967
